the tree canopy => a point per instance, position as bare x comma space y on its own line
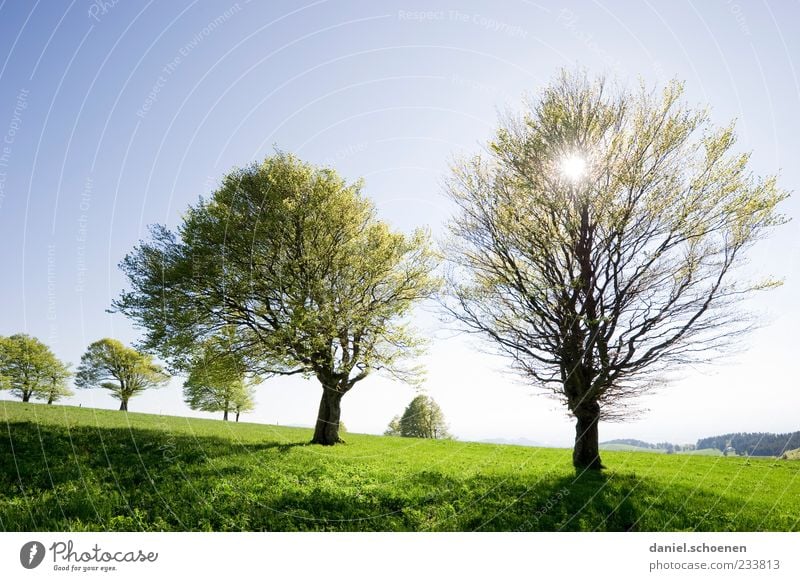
122, 370
30, 369
295, 261
597, 243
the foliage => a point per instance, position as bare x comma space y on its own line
394, 427
122, 370
753, 443
30, 369
75, 469
597, 243
57, 375
217, 381
244, 401
423, 418
294, 260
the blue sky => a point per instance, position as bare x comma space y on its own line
117, 115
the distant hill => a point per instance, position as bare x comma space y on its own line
630, 442
734, 444
614, 447
515, 442
702, 452
632, 445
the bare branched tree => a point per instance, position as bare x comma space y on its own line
597, 243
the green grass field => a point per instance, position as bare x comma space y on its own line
66, 468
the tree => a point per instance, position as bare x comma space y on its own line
394, 427
124, 371
57, 374
423, 418
294, 259
217, 381
27, 366
244, 401
597, 244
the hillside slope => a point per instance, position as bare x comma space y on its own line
66, 468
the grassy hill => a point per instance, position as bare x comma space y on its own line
615, 447
66, 468
703, 452
630, 448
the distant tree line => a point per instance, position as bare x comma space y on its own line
668, 446
216, 383
753, 443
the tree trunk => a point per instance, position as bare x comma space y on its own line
123, 406
50, 400
225, 416
237, 416
326, 431
586, 453
26, 396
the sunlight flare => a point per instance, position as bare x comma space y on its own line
573, 167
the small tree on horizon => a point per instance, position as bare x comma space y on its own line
598, 240
422, 418
122, 370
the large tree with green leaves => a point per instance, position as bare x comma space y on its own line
29, 368
293, 258
218, 381
598, 241
122, 370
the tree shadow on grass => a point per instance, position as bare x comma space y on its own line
87, 478
56, 478
533, 503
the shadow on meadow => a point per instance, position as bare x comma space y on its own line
87, 478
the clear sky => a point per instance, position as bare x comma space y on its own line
117, 114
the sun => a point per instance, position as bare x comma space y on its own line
573, 167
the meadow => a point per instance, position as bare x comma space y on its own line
77, 469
